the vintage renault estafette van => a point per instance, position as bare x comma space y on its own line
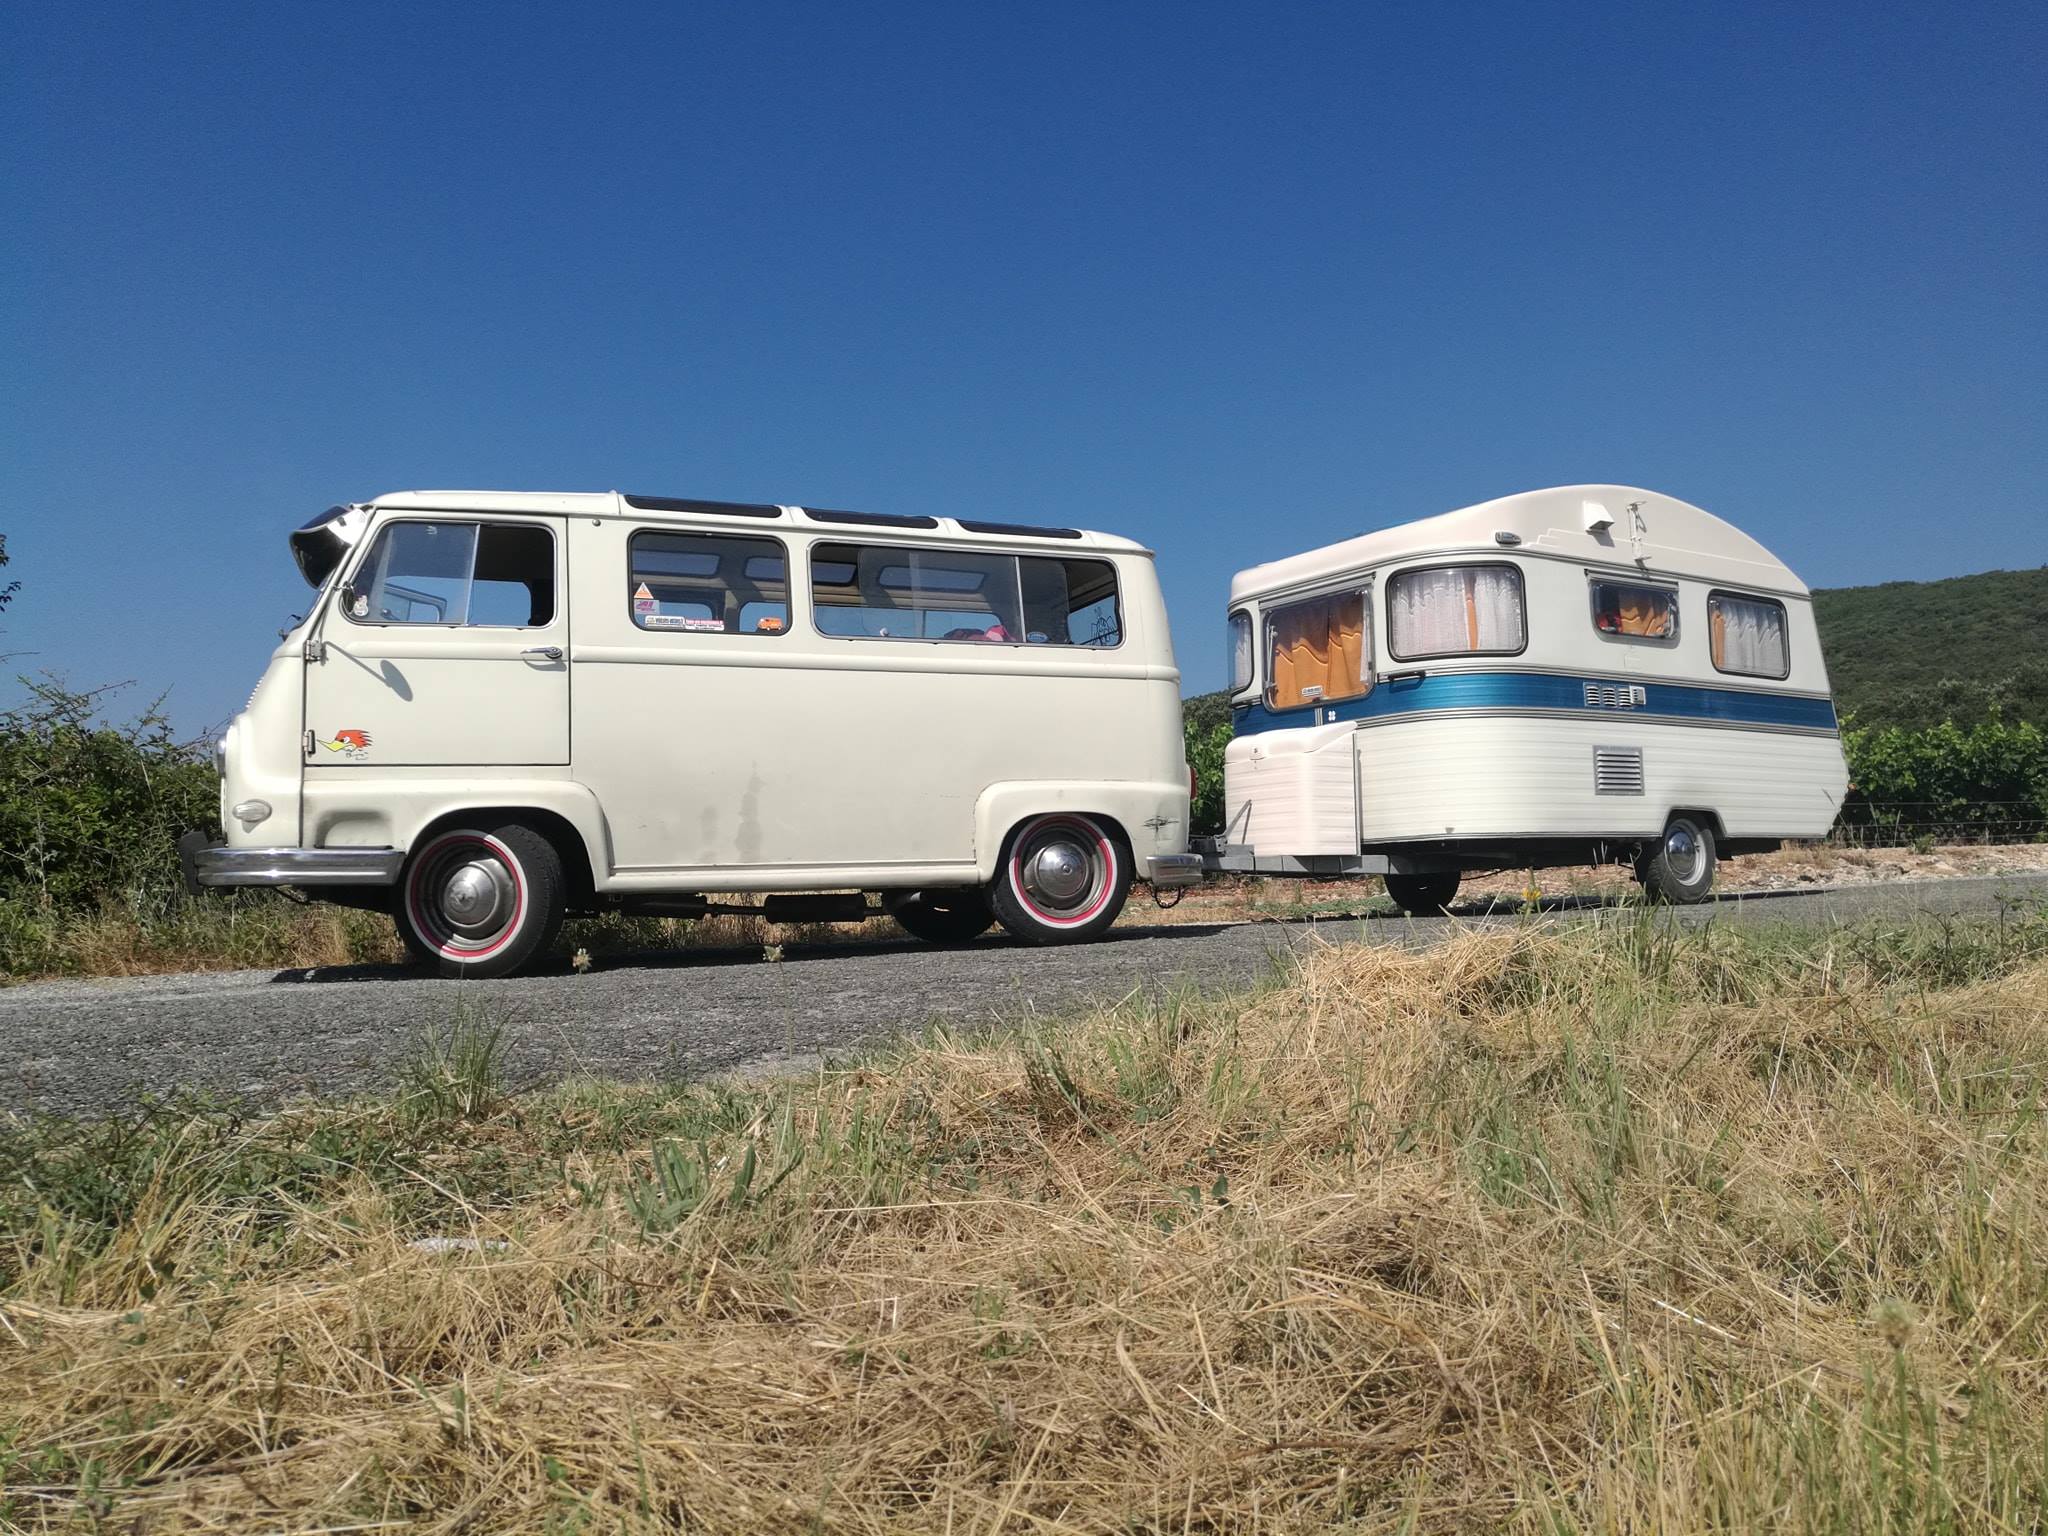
502, 708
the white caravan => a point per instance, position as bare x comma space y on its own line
504, 707
1588, 674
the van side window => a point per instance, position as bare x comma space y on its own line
1630, 612
1069, 602
1456, 610
1747, 636
708, 583
899, 592
500, 575
1318, 651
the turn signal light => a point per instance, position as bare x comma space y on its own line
249, 812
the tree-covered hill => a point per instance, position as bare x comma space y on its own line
1916, 653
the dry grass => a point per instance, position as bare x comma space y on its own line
1615, 1228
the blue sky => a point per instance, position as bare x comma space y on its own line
1234, 280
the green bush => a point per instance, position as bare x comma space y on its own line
90, 810
1205, 721
1987, 774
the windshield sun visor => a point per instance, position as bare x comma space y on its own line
318, 547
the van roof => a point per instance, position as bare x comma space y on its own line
1652, 532
738, 515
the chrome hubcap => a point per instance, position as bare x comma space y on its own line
1061, 871
477, 897
1058, 872
1682, 851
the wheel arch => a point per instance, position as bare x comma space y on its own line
1710, 819
1126, 811
578, 867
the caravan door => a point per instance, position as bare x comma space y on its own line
448, 644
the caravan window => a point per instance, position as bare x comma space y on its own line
708, 583
1240, 651
1747, 636
1631, 612
1456, 610
1317, 651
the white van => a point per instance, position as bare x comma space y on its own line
505, 707
1592, 674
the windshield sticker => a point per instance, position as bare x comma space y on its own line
643, 600
352, 744
713, 626
661, 621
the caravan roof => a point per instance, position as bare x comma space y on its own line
1609, 525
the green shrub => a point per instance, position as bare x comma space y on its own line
1990, 774
90, 810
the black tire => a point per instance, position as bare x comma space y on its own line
1063, 878
1424, 895
1679, 866
477, 902
940, 917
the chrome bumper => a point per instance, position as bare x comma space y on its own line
1171, 869
209, 863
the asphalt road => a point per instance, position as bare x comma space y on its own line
82, 1047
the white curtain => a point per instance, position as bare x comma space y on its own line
1240, 652
1457, 608
1749, 637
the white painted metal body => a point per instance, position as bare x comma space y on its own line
1477, 755
690, 762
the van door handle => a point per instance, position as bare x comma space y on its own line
546, 652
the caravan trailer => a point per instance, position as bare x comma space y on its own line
503, 707
1591, 674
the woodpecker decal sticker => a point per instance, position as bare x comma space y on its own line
351, 744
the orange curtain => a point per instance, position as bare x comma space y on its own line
1319, 651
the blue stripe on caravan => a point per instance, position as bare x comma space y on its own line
1550, 690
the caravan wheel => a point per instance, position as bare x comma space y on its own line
478, 902
1680, 866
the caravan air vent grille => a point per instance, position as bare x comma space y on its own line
1615, 696
1617, 770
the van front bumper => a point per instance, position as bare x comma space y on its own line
206, 862
1167, 870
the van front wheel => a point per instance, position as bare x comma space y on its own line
478, 902
940, 917
1679, 867
1063, 878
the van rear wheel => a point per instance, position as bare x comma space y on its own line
476, 902
940, 917
1679, 867
1426, 895
1063, 878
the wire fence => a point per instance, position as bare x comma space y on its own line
1899, 823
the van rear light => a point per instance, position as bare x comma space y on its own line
1193, 782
